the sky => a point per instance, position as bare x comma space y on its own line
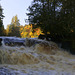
15, 7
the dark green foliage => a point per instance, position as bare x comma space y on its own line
54, 16
2, 33
43, 14
68, 18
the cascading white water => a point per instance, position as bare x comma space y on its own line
3, 44
38, 57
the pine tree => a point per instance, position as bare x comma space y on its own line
14, 28
1, 22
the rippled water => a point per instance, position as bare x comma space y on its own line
43, 58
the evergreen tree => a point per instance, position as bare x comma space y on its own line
1, 22
14, 28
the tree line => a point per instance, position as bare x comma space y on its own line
54, 16
16, 29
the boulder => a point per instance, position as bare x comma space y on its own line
0, 41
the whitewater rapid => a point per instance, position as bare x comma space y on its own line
42, 58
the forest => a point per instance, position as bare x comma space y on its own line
54, 17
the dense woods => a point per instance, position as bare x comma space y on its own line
54, 17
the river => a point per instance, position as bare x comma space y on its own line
44, 58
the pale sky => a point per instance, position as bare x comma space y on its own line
15, 7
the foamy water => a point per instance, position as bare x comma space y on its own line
44, 58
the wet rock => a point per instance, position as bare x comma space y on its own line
0, 41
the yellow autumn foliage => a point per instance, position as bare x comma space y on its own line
30, 33
27, 31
